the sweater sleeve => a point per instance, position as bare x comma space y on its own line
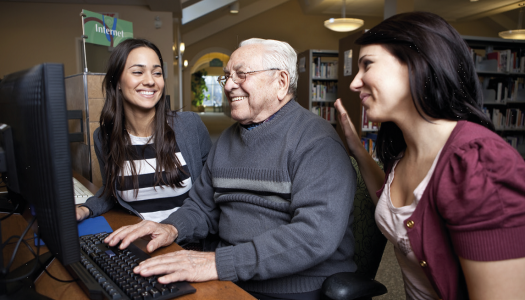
199, 214
481, 196
100, 203
323, 188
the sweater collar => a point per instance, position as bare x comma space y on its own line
261, 128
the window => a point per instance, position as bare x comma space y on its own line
214, 92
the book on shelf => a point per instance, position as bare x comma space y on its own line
366, 123
324, 91
325, 111
505, 61
325, 67
369, 142
509, 118
506, 89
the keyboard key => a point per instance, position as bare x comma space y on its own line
172, 287
113, 268
146, 296
155, 293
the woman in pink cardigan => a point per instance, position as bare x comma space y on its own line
452, 200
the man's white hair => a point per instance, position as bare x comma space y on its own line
280, 55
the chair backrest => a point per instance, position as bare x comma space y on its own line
369, 241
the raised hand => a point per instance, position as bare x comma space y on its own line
352, 139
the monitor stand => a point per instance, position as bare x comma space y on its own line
25, 288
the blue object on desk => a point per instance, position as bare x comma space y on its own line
94, 226
88, 226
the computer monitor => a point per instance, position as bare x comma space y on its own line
35, 149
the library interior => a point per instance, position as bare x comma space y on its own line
52, 74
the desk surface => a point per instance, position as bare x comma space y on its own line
116, 218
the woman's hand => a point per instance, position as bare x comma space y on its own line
82, 213
352, 139
370, 171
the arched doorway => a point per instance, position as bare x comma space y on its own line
206, 93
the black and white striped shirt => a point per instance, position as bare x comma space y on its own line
152, 203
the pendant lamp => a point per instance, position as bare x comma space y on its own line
515, 34
343, 24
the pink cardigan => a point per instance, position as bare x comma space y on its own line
473, 207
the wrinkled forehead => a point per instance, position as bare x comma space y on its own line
246, 58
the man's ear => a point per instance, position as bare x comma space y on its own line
284, 84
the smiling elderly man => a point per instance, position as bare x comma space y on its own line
277, 188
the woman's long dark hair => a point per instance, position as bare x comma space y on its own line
443, 79
116, 143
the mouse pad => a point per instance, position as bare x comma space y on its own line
88, 226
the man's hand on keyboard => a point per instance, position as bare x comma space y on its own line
160, 234
192, 266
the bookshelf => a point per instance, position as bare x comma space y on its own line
500, 66
348, 55
318, 81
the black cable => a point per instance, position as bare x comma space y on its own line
45, 269
12, 237
11, 213
37, 263
6, 269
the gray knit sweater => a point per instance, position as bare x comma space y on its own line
280, 196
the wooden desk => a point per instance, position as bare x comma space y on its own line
116, 218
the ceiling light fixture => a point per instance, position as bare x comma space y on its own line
343, 24
234, 8
515, 34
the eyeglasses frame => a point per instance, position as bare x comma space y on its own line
226, 77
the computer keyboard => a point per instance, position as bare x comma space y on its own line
81, 192
107, 273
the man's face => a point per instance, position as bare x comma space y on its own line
255, 99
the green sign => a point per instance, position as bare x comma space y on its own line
104, 30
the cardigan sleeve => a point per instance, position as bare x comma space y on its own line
204, 138
481, 196
100, 203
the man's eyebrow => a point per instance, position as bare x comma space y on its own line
236, 67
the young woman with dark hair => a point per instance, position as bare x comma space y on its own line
148, 155
452, 200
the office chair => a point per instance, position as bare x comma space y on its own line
369, 246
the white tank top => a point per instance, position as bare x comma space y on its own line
390, 221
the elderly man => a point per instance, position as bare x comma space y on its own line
277, 188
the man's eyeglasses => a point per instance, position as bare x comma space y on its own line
239, 77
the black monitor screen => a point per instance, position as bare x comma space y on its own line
34, 139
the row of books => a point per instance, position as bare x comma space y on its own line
369, 142
509, 118
366, 123
324, 90
505, 61
505, 89
325, 67
326, 112
515, 141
